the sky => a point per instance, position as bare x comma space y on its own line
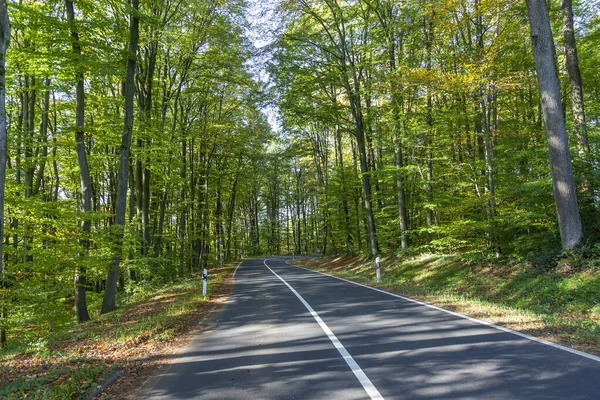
262, 16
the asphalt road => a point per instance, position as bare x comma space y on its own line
290, 333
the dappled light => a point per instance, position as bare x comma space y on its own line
148, 147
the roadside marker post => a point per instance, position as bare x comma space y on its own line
378, 266
204, 282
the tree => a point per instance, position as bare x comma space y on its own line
579, 125
4, 43
81, 310
565, 194
341, 46
110, 294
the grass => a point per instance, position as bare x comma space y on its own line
559, 304
72, 363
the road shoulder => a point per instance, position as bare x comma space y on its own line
141, 372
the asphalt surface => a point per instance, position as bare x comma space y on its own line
331, 339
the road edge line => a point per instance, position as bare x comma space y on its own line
491, 325
236, 268
354, 367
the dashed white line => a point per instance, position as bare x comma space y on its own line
358, 372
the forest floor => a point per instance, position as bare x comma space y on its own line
131, 345
559, 304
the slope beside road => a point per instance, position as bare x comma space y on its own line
291, 333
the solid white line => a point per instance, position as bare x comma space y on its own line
358, 372
236, 268
500, 328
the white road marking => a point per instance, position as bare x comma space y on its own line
358, 372
236, 268
500, 328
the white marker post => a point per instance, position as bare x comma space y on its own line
378, 266
204, 282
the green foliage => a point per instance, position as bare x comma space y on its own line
440, 101
432, 85
198, 136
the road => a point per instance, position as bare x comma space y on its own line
290, 333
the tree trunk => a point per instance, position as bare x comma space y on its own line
397, 123
110, 294
29, 101
487, 125
231, 208
182, 215
565, 195
81, 311
356, 197
202, 222
4, 43
429, 138
39, 176
365, 173
575, 77
338, 139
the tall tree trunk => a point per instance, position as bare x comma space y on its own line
579, 125
365, 175
131, 271
338, 140
39, 176
183, 214
565, 194
29, 119
429, 139
4, 43
353, 90
231, 208
218, 219
397, 128
81, 311
110, 294
146, 81
356, 197
487, 125
202, 222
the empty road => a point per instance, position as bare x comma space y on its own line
290, 333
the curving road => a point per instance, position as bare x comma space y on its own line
290, 333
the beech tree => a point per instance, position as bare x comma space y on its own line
401, 128
84, 170
565, 193
4, 43
449, 111
110, 293
575, 80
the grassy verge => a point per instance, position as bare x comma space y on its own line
561, 305
72, 363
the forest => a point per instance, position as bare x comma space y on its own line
144, 141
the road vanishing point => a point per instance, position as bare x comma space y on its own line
290, 333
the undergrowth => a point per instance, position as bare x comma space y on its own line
72, 362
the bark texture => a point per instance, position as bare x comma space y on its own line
565, 195
110, 294
4, 43
81, 311
575, 79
